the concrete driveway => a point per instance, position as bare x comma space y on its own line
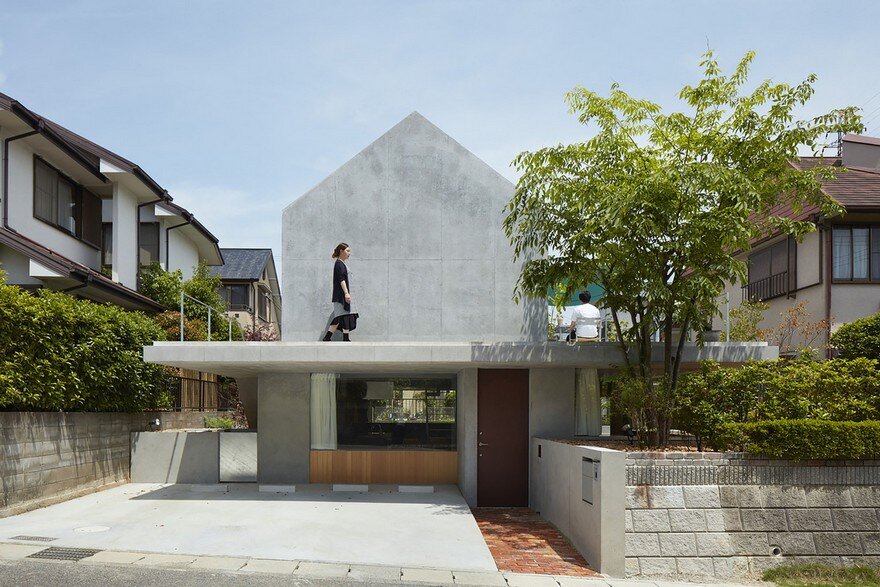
379, 527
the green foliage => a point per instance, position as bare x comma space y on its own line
165, 288
804, 439
820, 575
859, 338
221, 423
744, 320
655, 204
839, 389
60, 353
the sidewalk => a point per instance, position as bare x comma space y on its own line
383, 575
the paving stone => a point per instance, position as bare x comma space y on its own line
220, 563
489, 579
651, 521
657, 566
641, 545
113, 557
165, 560
784, 497
754, 519
688, 520
322, 570
702, 496
859, 519
17, 551
432, 576
695, 566
660, 496
837, 543
723, 520
792, 542
713, 544
865, 497
678, 544
375, 574
263, 565
871, 543
749, 543
816, 519
828, 496
637, 497
565, 581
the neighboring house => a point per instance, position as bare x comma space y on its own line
834, 271
448, 377
250, 287
80, 218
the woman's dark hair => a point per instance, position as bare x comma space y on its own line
339, 248
585, 297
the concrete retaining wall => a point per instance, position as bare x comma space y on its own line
722, 515
194, 456
49, 457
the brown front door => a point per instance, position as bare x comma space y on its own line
503, 436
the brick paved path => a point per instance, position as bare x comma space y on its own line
522, 542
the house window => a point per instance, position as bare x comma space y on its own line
263, 306
770, 272
855, 252
149, 243
237, 296
107, 245
66, 205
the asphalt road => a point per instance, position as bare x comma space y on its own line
33, 573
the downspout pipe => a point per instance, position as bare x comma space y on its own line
6, 174
168, 243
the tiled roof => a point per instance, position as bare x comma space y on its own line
243, 264
856, 189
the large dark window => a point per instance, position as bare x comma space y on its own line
107, 245
66, 205
396, 413
237, 296
263, 305
149, 243
771, 272
855, 252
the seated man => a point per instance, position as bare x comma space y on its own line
584, 320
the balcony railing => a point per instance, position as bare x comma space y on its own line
767, 288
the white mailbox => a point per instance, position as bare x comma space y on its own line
589, 476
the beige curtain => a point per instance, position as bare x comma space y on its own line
588, 405
323, 411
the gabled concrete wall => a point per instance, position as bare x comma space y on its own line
430, 261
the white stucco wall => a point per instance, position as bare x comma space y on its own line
183, 252
124, 236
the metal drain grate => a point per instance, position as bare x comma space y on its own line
34, 538
65, 554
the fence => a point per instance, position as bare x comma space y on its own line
197, 391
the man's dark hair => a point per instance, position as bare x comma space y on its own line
585, 297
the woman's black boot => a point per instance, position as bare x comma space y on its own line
327, 336
345, 337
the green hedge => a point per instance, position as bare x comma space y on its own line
839, 390
60, 353
804, 439
859, 338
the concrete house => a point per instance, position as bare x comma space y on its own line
447, 378
834, 271
80, 218
250, 287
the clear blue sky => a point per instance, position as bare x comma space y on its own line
237, 108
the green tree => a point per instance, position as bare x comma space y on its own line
859, 338
656, 205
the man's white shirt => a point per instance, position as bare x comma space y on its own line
586, 318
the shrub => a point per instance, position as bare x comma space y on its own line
839, 389
804, 439
859, 338
60, 353
221, 423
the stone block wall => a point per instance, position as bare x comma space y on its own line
677, 523
48, 457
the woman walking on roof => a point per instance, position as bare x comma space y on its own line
344, 316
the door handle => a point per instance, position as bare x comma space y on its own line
482, 444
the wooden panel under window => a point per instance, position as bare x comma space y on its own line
416, 467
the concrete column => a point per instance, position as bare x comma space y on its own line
283, 441
125, 227
551, 403
466, 425
588, 405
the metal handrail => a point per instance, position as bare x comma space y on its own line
182, 297
766, 288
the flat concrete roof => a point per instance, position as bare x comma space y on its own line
244, 359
